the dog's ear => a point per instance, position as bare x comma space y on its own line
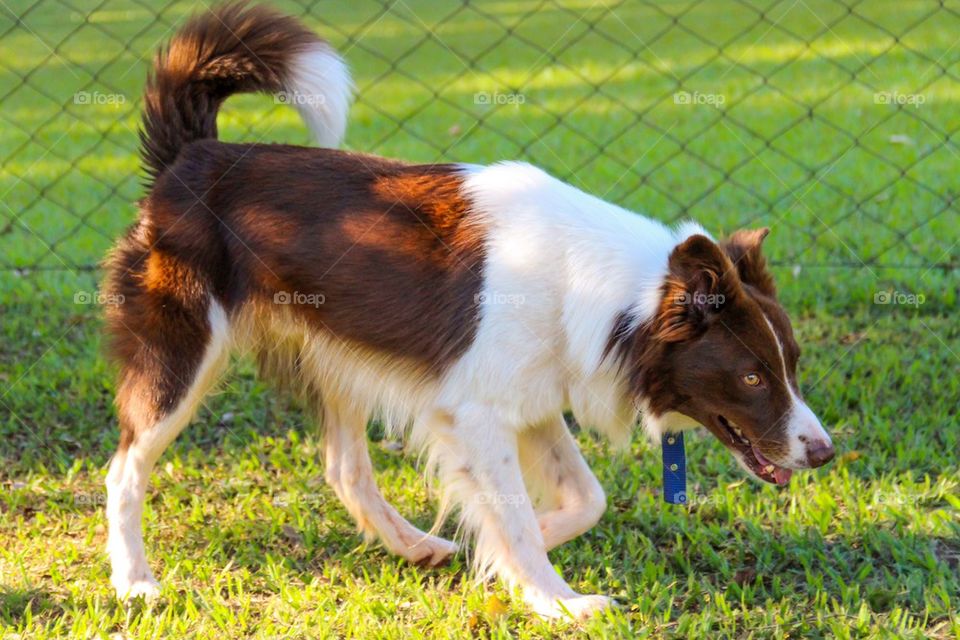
701, 282
743, 248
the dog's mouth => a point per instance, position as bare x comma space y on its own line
749, 455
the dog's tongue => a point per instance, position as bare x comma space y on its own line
780, 475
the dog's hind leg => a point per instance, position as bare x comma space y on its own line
572, 499
350, 473
170, 351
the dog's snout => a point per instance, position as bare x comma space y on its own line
810, 444
819, 453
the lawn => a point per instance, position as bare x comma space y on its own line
831, 126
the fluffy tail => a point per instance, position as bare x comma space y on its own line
235, 49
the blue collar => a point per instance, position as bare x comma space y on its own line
674, 468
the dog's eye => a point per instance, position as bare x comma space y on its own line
751, 380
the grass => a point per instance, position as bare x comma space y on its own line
245, 536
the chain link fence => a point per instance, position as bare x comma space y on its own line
833, 122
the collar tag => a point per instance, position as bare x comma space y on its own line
674, 468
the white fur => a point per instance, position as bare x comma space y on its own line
350, 474
319, 85
358, 378
670, 422
560, 268
804, 430
803, 426
130, 470
573, 263
568, 498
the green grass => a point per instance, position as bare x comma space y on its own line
245, 536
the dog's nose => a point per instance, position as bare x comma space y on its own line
819, 453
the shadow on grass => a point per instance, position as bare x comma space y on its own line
802, 567
17, 603
877, 566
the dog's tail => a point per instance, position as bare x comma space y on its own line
237, 48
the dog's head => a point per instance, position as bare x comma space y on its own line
720, 350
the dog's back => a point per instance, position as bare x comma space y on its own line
318, 237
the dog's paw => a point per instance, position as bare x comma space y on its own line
145, 587
577, 607
583, 607
431, 551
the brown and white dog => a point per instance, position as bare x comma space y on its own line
466, 306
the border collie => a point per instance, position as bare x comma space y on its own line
466, 306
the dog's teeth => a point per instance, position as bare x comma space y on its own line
769, 468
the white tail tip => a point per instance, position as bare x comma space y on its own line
319, 86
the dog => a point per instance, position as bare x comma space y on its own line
468, 307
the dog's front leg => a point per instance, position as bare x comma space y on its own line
571, 499
476, 451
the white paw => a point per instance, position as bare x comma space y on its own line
145, 587
430, 551
577, 607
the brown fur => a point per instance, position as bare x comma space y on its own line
711, 321
157, 333
388, 249
701, 279
233, 49
387, 253
743, 248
